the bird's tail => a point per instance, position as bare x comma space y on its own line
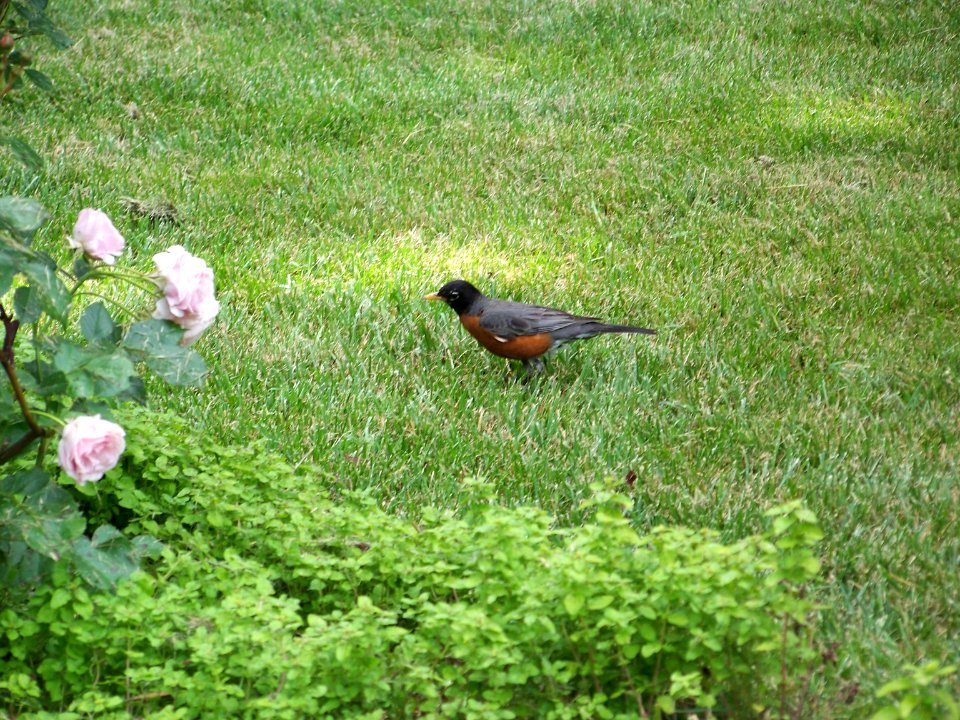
592, 328
605, 328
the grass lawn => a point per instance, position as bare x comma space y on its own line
773, 185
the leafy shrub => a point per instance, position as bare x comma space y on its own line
273, 599
75, 366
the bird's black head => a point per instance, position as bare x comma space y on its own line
458, 294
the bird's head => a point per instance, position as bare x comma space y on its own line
458, 294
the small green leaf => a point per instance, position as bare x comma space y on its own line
39, 79
22, 216
13, 256
136, 392
573, 604
16, 58
59, 598
648, 632
149, 336
55, 35
105, 558
887, 713
39, 6
68, 356
648, 612
43, 536
26, 304
54, 500
54, 296
22, 152
32, 8
73, 526
111, 373
7, 273
666, 704
107, 535
82, 266
807, 516
147, 546
498, 695
93, 371
782, 524
896, 685
159, 342
908, 704
24, 483
600, 602
52, 382
87, 489
35, 15
97, 326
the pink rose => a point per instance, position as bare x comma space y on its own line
187, 292
97, 236
89, 447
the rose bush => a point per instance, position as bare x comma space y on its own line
61, 373
79, 363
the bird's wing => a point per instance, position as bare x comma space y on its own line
507, 320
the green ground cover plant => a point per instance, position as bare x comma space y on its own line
774, 186
919, 693
297, 605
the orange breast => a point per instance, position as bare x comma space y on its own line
523, 347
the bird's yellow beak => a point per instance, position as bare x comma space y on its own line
432, 296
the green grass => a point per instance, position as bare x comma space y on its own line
773, 185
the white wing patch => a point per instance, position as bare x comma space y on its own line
500, 339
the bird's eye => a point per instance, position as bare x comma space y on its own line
454, 295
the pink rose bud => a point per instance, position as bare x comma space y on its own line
97, 236
188, 299
89, 447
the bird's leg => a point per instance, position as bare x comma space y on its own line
534, 366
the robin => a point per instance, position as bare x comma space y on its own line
517, 331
